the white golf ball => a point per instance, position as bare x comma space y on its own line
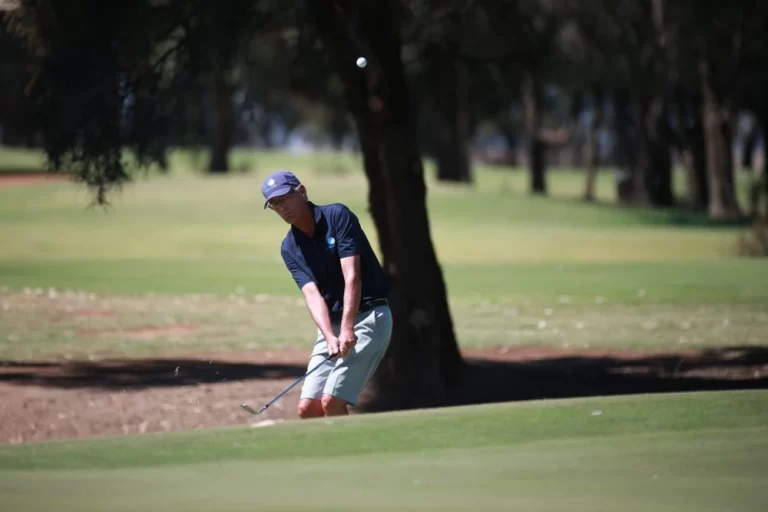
361, 62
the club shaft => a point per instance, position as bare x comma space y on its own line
294, 384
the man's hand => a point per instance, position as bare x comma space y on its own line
347, 341
334, 346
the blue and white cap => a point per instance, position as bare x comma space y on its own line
277, 184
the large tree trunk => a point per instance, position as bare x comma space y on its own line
531, 89
223, 121
448, 89
423, 361
593, 143
718, 136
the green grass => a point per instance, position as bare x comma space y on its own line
20, 160
520, 270
640, 306
706, 451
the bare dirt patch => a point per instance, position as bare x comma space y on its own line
27, 178
146, 333
54, 400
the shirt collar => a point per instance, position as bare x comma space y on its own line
318, 216
316, 211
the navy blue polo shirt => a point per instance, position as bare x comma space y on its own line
318, 258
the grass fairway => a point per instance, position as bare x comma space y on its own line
687, 452
192, 250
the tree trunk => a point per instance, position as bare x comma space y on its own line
593, 147
531, 90
634, 150
576, 147
423, 361
448, 85
626, 158
718, 136
759, 186
223, 121
658, 178
658, 175
693, 149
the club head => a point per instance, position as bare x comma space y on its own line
252, 410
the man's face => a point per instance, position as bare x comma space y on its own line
289, 206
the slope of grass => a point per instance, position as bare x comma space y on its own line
706, 451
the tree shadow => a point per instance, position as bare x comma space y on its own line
136, 374
540, 377
674, 216
583, 376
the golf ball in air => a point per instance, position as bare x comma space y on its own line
361, 62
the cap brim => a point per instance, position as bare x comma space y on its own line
279, 191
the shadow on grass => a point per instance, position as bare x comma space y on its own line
526, 377
543, 374
568, 377
673, 216
136, 374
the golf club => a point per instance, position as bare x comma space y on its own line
253, 411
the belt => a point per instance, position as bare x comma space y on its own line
369, 305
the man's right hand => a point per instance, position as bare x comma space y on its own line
333, 346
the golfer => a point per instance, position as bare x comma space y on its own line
345, 290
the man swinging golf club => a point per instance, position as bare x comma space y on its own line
345, 290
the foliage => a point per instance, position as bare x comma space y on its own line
754, 243
107, 76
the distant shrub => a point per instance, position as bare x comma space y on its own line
754, 243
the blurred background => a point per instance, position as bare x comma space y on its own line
667, 96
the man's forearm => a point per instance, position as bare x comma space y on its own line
352, 290
319, 312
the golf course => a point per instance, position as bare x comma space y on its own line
635, 341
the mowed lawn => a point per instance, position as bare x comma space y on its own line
196, 259
687, 452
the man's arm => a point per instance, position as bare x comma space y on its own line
314, 299
319, 311
348, 234
350, 267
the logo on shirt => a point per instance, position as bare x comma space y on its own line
331, 242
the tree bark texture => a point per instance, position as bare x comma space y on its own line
717, 121
531, 92
593, 142
448, 85
691, 145
223, 121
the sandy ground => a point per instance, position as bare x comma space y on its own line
40, 401
15, 179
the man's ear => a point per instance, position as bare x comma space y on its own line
302, 190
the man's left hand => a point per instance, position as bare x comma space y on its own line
347, 341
